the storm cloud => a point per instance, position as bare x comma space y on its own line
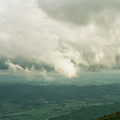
81, 11
66, 37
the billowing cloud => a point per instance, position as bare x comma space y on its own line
59, 36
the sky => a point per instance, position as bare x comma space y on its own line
66, 37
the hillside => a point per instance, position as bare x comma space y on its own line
113, 116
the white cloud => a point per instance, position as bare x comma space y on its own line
30, 34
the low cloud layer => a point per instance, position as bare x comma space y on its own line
39, 36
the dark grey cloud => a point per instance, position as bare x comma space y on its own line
81, 11
2, 64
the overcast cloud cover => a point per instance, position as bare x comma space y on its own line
63, 36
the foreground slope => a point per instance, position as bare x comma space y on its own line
113, 116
